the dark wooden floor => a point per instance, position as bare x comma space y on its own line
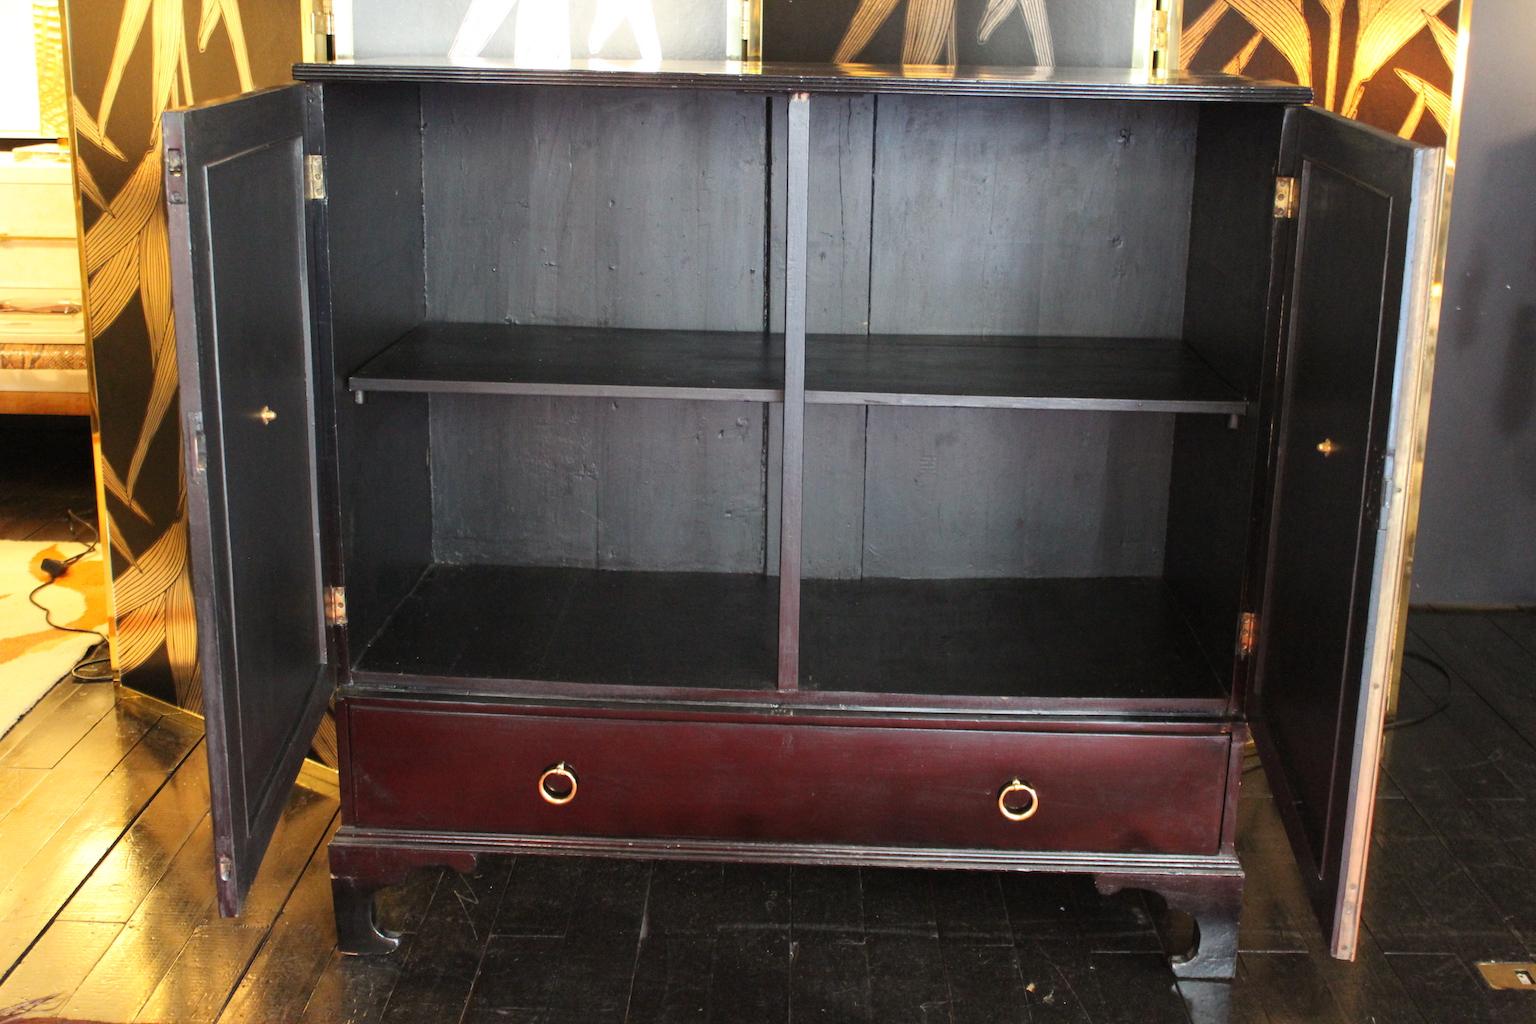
106, 906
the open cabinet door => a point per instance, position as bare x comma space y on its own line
235, 195
1353, 366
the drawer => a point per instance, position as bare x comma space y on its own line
479, 771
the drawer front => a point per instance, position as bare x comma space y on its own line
477, 771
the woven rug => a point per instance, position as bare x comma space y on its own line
32, 656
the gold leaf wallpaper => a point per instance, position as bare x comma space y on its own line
1389, 63
130, 60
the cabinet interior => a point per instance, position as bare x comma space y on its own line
1036, 332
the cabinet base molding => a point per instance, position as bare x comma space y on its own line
1209, 888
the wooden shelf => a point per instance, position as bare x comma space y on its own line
760, 76
1136, 374
1105, 639
1091, 638
600, 362
672, 629
1130, 374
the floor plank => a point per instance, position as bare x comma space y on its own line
907, 980
72, 820
58, 963
278, 984
146, 851
1488, 659
62, 719
15, 784
829, 979
669, 984
440, 970
749, 975
199, 982
1295, 990
154, 954
1471, 789
356, 989
986, 984
39, 713
1521, 625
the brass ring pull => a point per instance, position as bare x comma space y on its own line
1327, 447
266, 415
559, 771
1017, 786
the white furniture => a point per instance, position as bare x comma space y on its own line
42, 322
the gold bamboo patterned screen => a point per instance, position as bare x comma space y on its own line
129, 61
1389, 63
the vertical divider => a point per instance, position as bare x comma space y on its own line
797, 159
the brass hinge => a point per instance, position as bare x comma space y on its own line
175, 186
1247, 633
199, 442
336, 606
314, 176
1285, 198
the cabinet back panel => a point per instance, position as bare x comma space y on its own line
599, 483
1226, 312
373, 172
973, 494
1231, 231
610, 207
1055, 217
967, 493
842, 162
647, 209
890, 492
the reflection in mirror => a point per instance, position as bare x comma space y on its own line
543, 29
967, 33
549, 33
32, 102
931, 30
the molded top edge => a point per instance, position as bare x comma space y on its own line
758, 76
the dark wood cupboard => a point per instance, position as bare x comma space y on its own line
826, 465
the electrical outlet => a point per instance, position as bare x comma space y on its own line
1506, 975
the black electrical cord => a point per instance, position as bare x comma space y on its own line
1445, 697
1441, 705
56, 569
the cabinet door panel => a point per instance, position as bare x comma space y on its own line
240, 267
1348, 442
